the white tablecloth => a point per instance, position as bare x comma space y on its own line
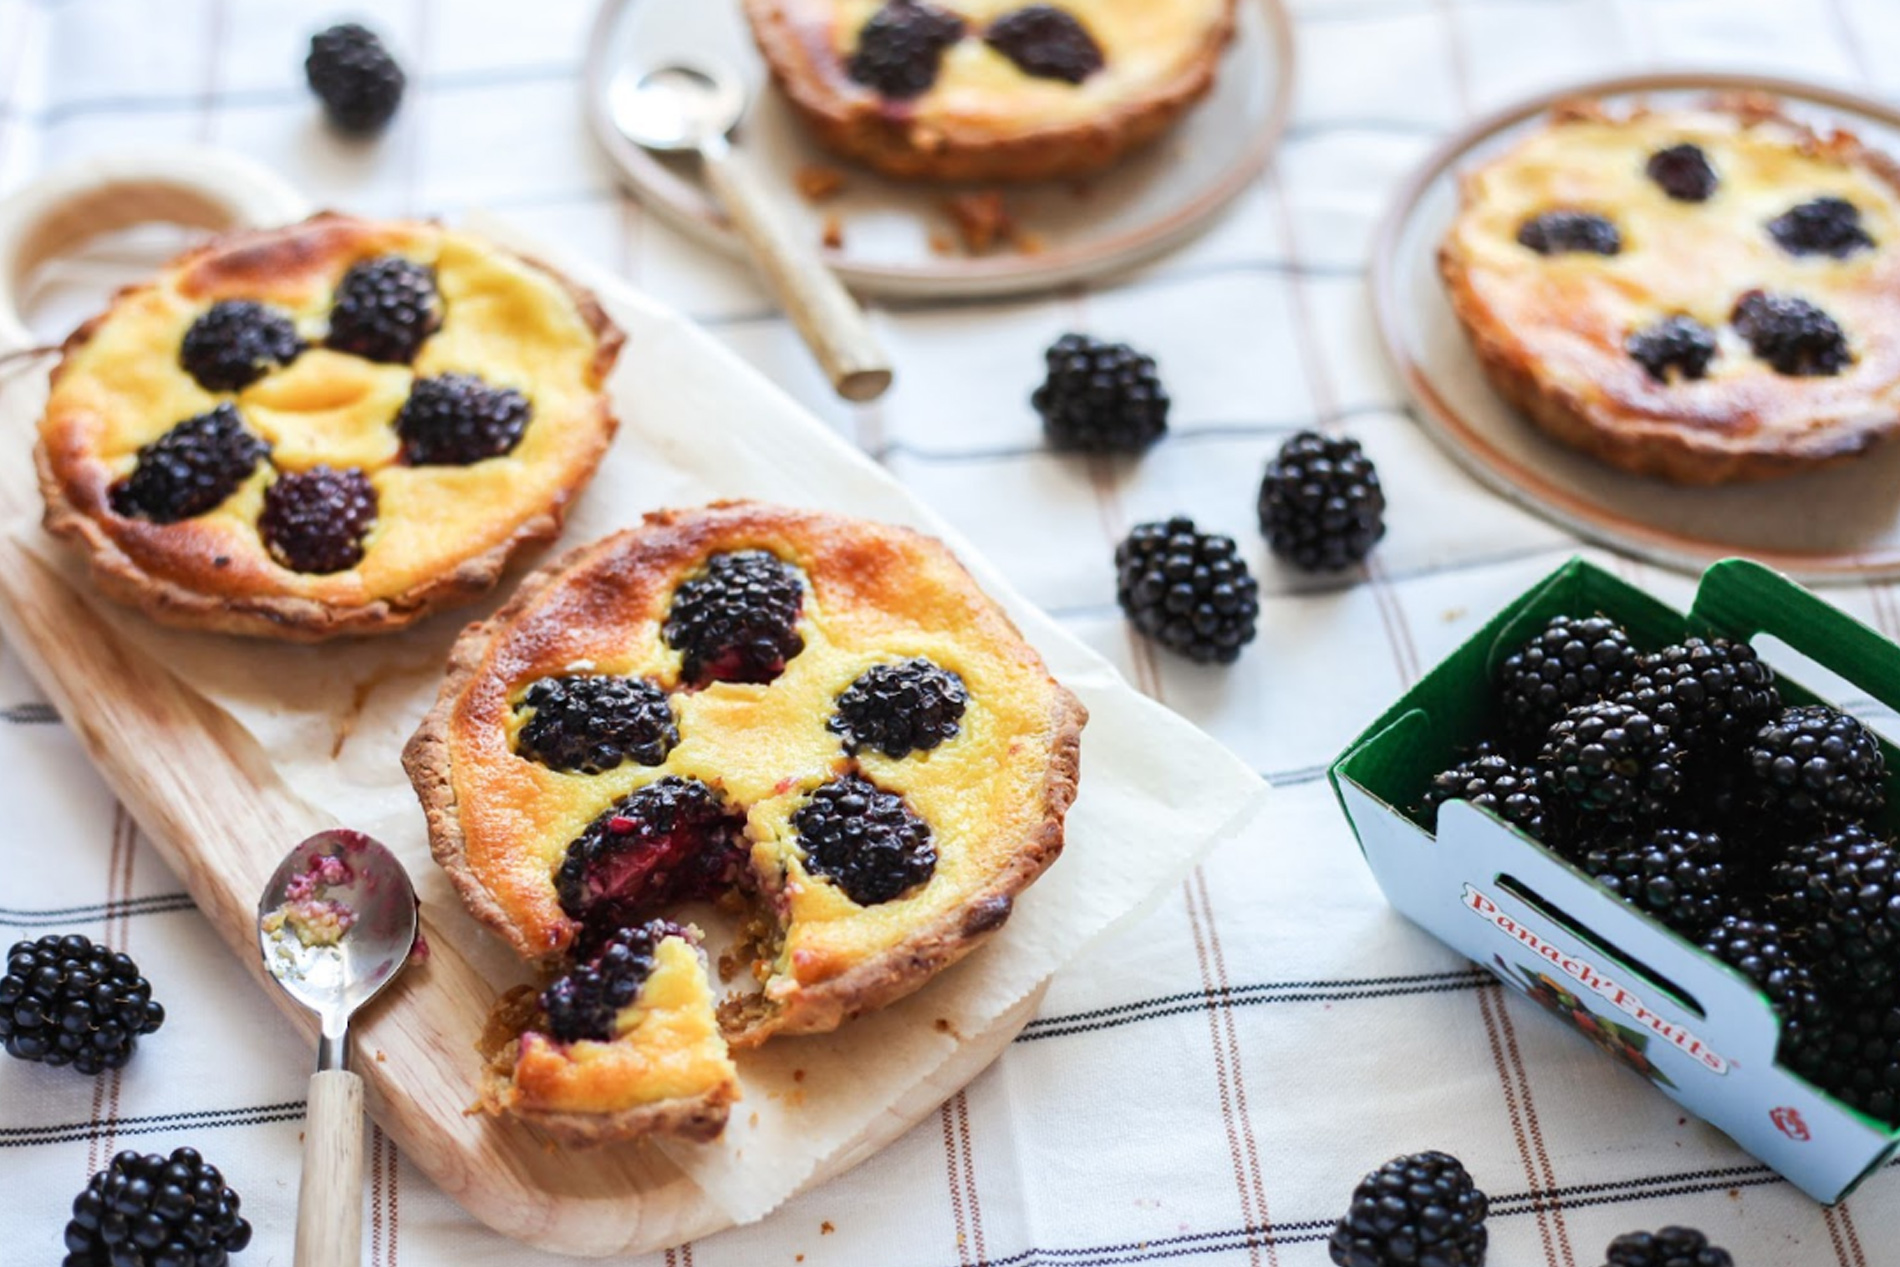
1211, 1086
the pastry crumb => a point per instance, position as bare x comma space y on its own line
942, 243
818, 182
982, 220
825, 1228
834, 232
798, 1075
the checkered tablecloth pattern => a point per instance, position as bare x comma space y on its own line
1208, 1087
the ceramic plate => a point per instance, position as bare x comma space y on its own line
1156, 199
1836, 525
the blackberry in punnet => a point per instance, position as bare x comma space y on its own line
1100, 397
457, 419
1823, 226
1416, 1211
1188, 590
66, 1001
315, 521
153, 1211
1495, 783
1561, 232
672, 840
583, 1003
1709, 693
1683, 172
1612, 760
354, 76
864, 840
1671, 1247
900, 49
1675, 874
385, 308
1859, 1054
1814, 764
1844, 889
593, 722
1046, 42
1792, 335
899, 709
1321, 506
1761, 951
235, 343
1572, 660
737, 620
190, 469
1677, 343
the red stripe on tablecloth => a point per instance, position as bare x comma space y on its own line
395, 1202
1486, 1006
1221, 1079
376, 1197
956, 1183
1536, 1131
968, 1146
1834, 1235
1846, 1216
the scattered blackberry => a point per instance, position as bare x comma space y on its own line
1815, 764
384, 309
1572, 660
1046, 42
190, 469
1420, 1210
1845, 890
737, 621
65, 1001
315, 520
901, 48
1497, 784
1611, 759
457, 419
1680, 343
864, 840
1791, 334
1766, 955
1825, 226
1671, 1247
899, 709
354, 76
1859, 1057
584, 1003
1320, 503
235, 343
1675, 874
153, 1211
1100, 397
1558, 232
1188, 590
671, 840
1683, 172
592, 723
1715, 693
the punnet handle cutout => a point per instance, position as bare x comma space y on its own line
1740, 598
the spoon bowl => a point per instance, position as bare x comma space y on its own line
677, 107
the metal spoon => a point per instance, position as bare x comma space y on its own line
691, 106
335, 925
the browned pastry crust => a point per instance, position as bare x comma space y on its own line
188, 574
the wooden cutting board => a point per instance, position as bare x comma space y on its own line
221, 818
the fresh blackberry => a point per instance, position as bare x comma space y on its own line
1709, 693
1859, 1057
1320, 503
1560, 232
864, 840
235, 343
1046, 42
1791, 334
899, 709
1683, 172
583, 1003
66, 1001
1675, 874
900, 49
592, 723
1678, 343
1572, 660
353, 75
1815, 764
1824, 226
1611, 759
1188, 590
153, 1211
737, 621
1100, 397
1417, 1211
385, 307
1495, 783
1844, 889
190, 469
315, 520
1671, 1247
1761, 951
457, 419
672, 840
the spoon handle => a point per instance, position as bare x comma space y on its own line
823, 310
330, 1201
